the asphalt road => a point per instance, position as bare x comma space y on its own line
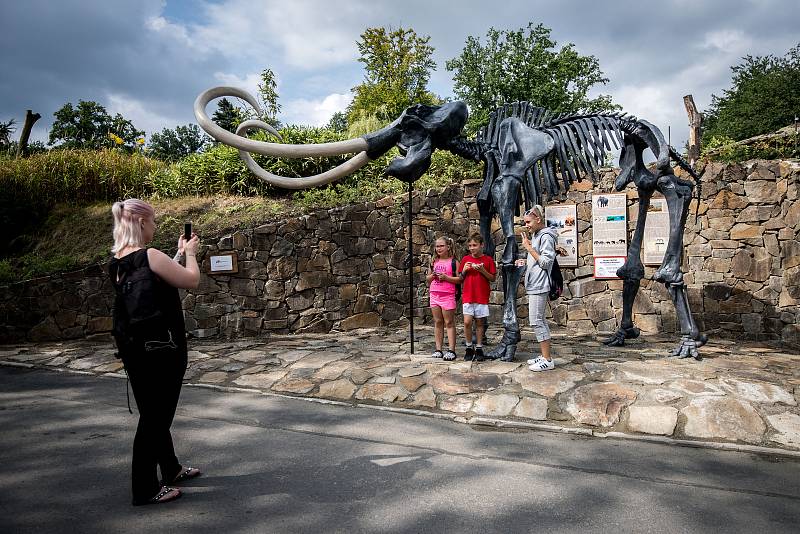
285, 465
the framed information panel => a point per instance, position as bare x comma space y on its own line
225, 263
609, 233
656, 231
563, 219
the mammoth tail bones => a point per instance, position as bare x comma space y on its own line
527, 152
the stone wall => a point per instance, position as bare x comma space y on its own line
343, 268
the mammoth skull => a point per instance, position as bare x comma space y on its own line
416, 133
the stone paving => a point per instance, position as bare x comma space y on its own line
741, 392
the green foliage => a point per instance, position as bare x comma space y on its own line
371, 184
90, 126
29, 187
525, 65
32, 265
228, 116
268, 95
173, 145
398, 65
34, 147
776, 147
338, 122
764, 97
6, 129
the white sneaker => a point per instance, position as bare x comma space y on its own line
534, 361
542, 365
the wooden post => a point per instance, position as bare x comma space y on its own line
30, 119
695, 123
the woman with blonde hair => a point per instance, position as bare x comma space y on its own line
541, 247
151, 340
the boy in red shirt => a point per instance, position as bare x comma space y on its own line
477, 270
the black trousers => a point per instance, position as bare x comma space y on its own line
155, 378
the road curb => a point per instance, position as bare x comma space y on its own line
472, 421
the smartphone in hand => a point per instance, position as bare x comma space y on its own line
187, 230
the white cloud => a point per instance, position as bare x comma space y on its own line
249, 83
139, 114
307, 34
729, 41
314, 112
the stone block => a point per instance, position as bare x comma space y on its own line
531, 408
339, 389
495, 405
598, 404
762, 191
723, 418
787, 429
587, 286
660, 420
790, 254
746, 231
361, 320
548, 384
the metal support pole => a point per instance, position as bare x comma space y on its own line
410, 268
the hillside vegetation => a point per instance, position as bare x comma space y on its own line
55, 207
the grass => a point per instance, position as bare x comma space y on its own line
75, 236
55, 207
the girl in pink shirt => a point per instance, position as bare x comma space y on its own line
442, 280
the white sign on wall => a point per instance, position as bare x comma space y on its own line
656, 231
563, 219
609, 233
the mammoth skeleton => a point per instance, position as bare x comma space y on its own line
528, 152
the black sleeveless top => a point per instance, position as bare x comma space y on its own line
168, 298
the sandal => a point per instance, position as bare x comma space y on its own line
166, 494
437, 354
449, 356
186, 474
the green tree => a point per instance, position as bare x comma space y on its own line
174, 145
6, 129
525, 65
338, 122
764, 97
268, 95
88, 125
228, 116
398, 66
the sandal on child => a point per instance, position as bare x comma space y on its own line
437, 354
186, 474
165, 494
449, 356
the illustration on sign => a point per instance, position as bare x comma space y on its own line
563, 219
656, 231
609, 233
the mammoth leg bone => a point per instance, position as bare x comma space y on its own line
678, 194
691, 338
508, 345
631, 273
505, 193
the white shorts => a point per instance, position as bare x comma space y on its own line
476, 310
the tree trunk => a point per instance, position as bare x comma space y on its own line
30, 120
695, 122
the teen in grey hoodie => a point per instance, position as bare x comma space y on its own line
541, 247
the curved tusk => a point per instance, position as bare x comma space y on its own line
345, 169
277, 150
254, 123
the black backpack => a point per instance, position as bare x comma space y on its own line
556, 280
138, 322
458, 286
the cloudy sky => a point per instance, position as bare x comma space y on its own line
149, 59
